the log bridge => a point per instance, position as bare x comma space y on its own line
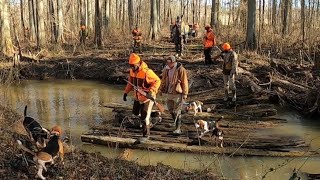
245, 134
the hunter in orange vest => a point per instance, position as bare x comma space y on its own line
146, 80
137, 38
208, 43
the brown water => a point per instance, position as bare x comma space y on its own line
75, 105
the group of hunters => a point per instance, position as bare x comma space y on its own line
145, 84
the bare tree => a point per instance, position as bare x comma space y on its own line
98, 33
251, 42
214, 13
285, 13
22, 18
60, 38
31, 20
90, 12
6, 42
205, 12
130, 14
154, 21
274, 13
52, 21
302, 20
106, 14
41, 33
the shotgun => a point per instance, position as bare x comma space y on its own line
159, 106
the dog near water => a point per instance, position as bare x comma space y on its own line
213, 126
47, 154
37, 134
195, 106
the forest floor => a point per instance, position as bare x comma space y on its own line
261, 82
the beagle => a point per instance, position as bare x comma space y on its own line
207, 126
37, 134
53, 149
195, 106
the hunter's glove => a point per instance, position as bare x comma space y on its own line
149, 95
125, 96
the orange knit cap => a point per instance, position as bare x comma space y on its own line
226, 47
134, 58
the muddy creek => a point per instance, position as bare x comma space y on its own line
76, 105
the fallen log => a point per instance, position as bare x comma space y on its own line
253, 86
178, 147
289, 85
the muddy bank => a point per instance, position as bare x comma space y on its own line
78, 164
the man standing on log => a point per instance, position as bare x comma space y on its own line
148, 84
208, 42
229, 70
175, 83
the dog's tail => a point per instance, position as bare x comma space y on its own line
220, 118
21, 146
25, 111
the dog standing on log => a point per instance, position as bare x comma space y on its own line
207, 126
195, 106
37, 134
53, 149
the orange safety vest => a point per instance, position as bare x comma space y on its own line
145, 79
209, 40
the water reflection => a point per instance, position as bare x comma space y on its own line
74, 105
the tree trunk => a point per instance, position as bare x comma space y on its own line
154, 21
106, 14
98, 34
274, 14
199, 12
83, 13
214, 14
251, 26
41, 26
60, 38
285, 14
6, 42
243, 13
130, 14
302, 20
32, 31
205, 12
123, 16
22, 19
165, 18
52, 21
90, 14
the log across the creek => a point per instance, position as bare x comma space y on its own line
243, 133
113, 141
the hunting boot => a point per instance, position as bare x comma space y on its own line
234, 96
226, 95
140, 49
148, 130
178, 126
144, 129
174, 118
